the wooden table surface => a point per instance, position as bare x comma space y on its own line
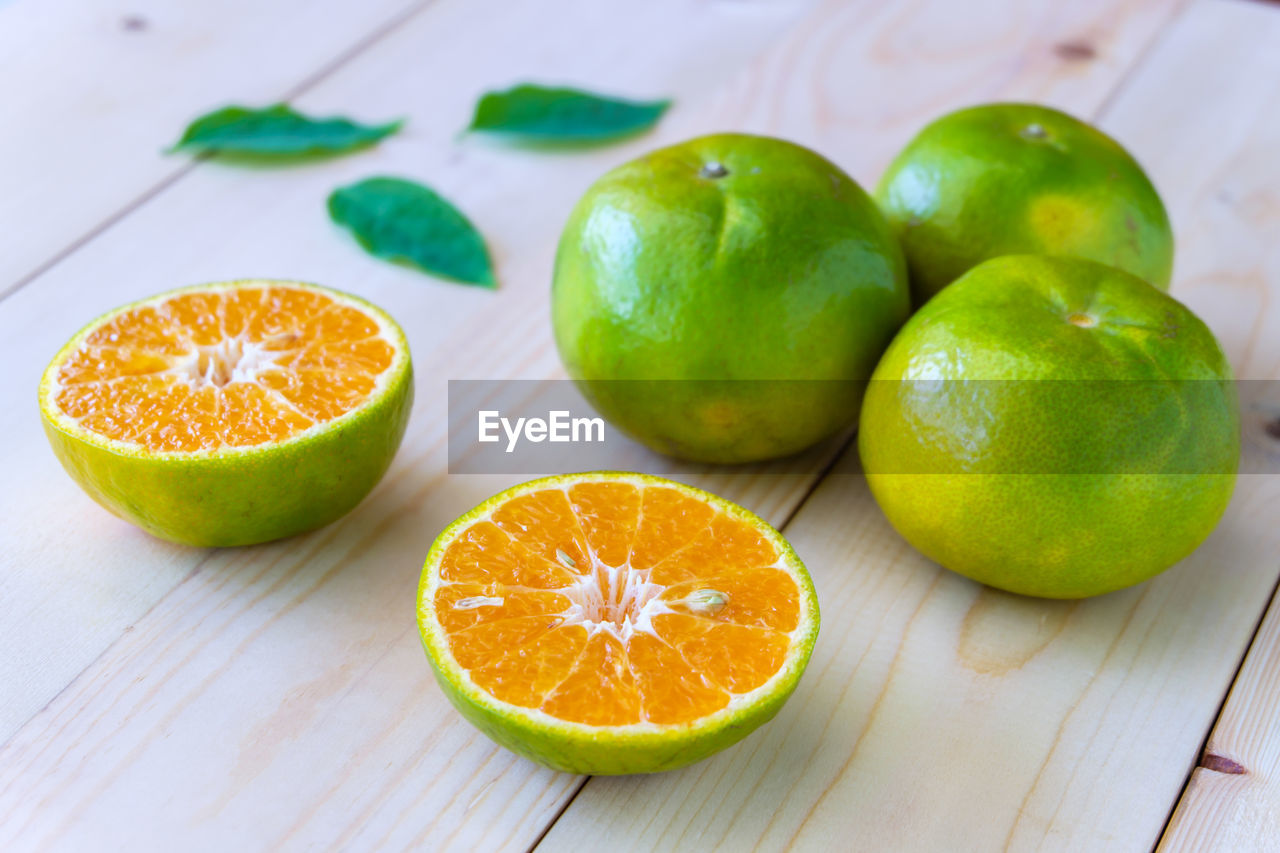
154, 697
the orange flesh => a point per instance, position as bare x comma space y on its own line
609, 603
228, 367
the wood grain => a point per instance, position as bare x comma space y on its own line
278, 696
940, 715
93, 93
1232, 801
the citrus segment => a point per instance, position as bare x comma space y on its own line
724, 544
510, 677
605, 608
545, 523
484, 553
667, 523
674, 692
601, 689
465, 605
735, 658
230, 413
608, 513
751, 597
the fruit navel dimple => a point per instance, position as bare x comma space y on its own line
713, 170
1084, 321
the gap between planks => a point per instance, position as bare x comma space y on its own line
1272, 601
378, 34
107, 648
1143, 56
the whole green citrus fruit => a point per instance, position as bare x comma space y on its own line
1052, 427
721, 300
1011, 179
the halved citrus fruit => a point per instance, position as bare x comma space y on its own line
613, 623
232, 413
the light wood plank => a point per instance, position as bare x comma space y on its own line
93, 92
278, 696
1232, 802
940, 715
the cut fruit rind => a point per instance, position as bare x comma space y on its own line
626, 651
235, 486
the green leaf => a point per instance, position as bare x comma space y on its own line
533, 113
277, 131
406, 222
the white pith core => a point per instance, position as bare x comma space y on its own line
229, 360
618, 600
